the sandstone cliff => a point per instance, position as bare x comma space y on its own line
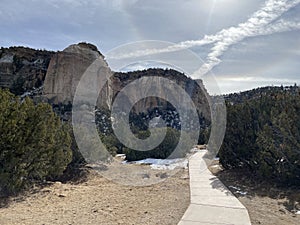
59, 73
66, 69
195, 90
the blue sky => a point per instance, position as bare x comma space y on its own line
246, 44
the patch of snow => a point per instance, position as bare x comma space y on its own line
122, 156
7, 59
27, 93
163, 164
298, 212
155, 122
38, 61
235, 188
195, 149
33, 92
241, 192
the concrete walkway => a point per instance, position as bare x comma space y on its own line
211, 201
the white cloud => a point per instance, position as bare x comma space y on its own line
257, 79
262, 22
230, 84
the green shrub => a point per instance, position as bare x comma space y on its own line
34, 144
263, 136
165, 149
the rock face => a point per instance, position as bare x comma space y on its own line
66, 69
23, 68
59, 73
194, 89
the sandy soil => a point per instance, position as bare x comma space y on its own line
97, 200
266, 204
100, 201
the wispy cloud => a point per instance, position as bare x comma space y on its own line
257, 79
280, 26
232, 83
260, 23
208, 39
265, 21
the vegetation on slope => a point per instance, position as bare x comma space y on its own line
263, 135
34, 144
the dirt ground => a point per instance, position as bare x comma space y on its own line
266, 204
100, 201
97, 200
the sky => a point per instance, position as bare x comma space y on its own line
245, 44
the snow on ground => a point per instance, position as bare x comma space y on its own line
238, 190
163, 164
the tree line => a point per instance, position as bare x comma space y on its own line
263, 135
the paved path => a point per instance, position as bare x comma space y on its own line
211, 202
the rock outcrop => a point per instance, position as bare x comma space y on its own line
23, 69
194, 89
65, 71
59, 73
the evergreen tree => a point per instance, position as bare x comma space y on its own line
34, 144
263, 135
